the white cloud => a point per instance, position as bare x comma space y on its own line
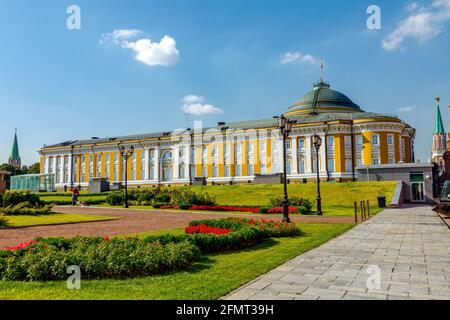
163, 53
406, 109
195, 105
294, 57
118, 36
422, 24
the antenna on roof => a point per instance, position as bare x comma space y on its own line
321, 70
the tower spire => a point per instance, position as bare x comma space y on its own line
14, 158
438, 123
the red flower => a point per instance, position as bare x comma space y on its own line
106, 238
204, 229
280, 210
225, 208
22, 245
170, 207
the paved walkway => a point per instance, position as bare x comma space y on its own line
410, 246
131, 221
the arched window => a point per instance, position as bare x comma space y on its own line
181, 169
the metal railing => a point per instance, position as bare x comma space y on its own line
362, 209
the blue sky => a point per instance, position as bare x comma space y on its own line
58, 84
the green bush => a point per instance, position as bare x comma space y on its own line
69, 194
187, 196
157, 205
1, 200
13, 198
97, 258
26, 209
293, 201
207, 243
115, 198
145, 196
264, 209
3, 222
163, 198
303, 210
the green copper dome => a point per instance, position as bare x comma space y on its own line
323, 99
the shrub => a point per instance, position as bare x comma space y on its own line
264, 209
157, 205
225, 208
1, 200
26, 208
13, 198
243, 237
145, 196
3, 222
293, 201
303, 210
206, 230
98, 258
115, 198
162, 198
292, 210
187, 196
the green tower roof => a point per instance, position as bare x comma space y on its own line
15, 149
438, 124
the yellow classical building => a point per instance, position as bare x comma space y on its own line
241, 152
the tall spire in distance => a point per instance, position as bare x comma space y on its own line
14, 158
439, 138
438, 123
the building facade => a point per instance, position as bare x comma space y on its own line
238, 152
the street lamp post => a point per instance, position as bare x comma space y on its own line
317, 143
285, 126
125, 155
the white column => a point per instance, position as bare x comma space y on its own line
156, 164
147, 163
54, 166
62, 168
69, 170
280, 155
323, 157
294, 164
187, 161
308, 155
176, 162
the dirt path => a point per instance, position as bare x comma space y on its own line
132, 221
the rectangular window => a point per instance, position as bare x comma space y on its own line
263, 169
359, 140
275, 145
330, 142
238, 148
192, 171
391, 161
390, 139
331, 165
227, 171
250, 169
375, 139
359, 162
375, 161
204, 172
250, 147
262, 147
301, 144
204, 152
301, 166
238, 170
215, 171
288, 144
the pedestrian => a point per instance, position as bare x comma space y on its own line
75, 194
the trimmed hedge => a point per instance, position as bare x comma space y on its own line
26, 209
97, 258
13, 198
69, 194
246, 232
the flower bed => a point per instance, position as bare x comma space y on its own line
291, 210
206, 230
98, 258
170, 207
225, 208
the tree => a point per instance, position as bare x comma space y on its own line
34, 168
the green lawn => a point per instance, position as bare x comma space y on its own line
56, 218
212, 277
337, 198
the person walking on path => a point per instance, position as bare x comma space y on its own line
75, 194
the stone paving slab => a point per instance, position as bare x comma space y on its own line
409, 246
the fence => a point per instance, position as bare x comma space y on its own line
363, 209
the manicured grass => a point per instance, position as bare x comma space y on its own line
337, 198
56, 218
212, 277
